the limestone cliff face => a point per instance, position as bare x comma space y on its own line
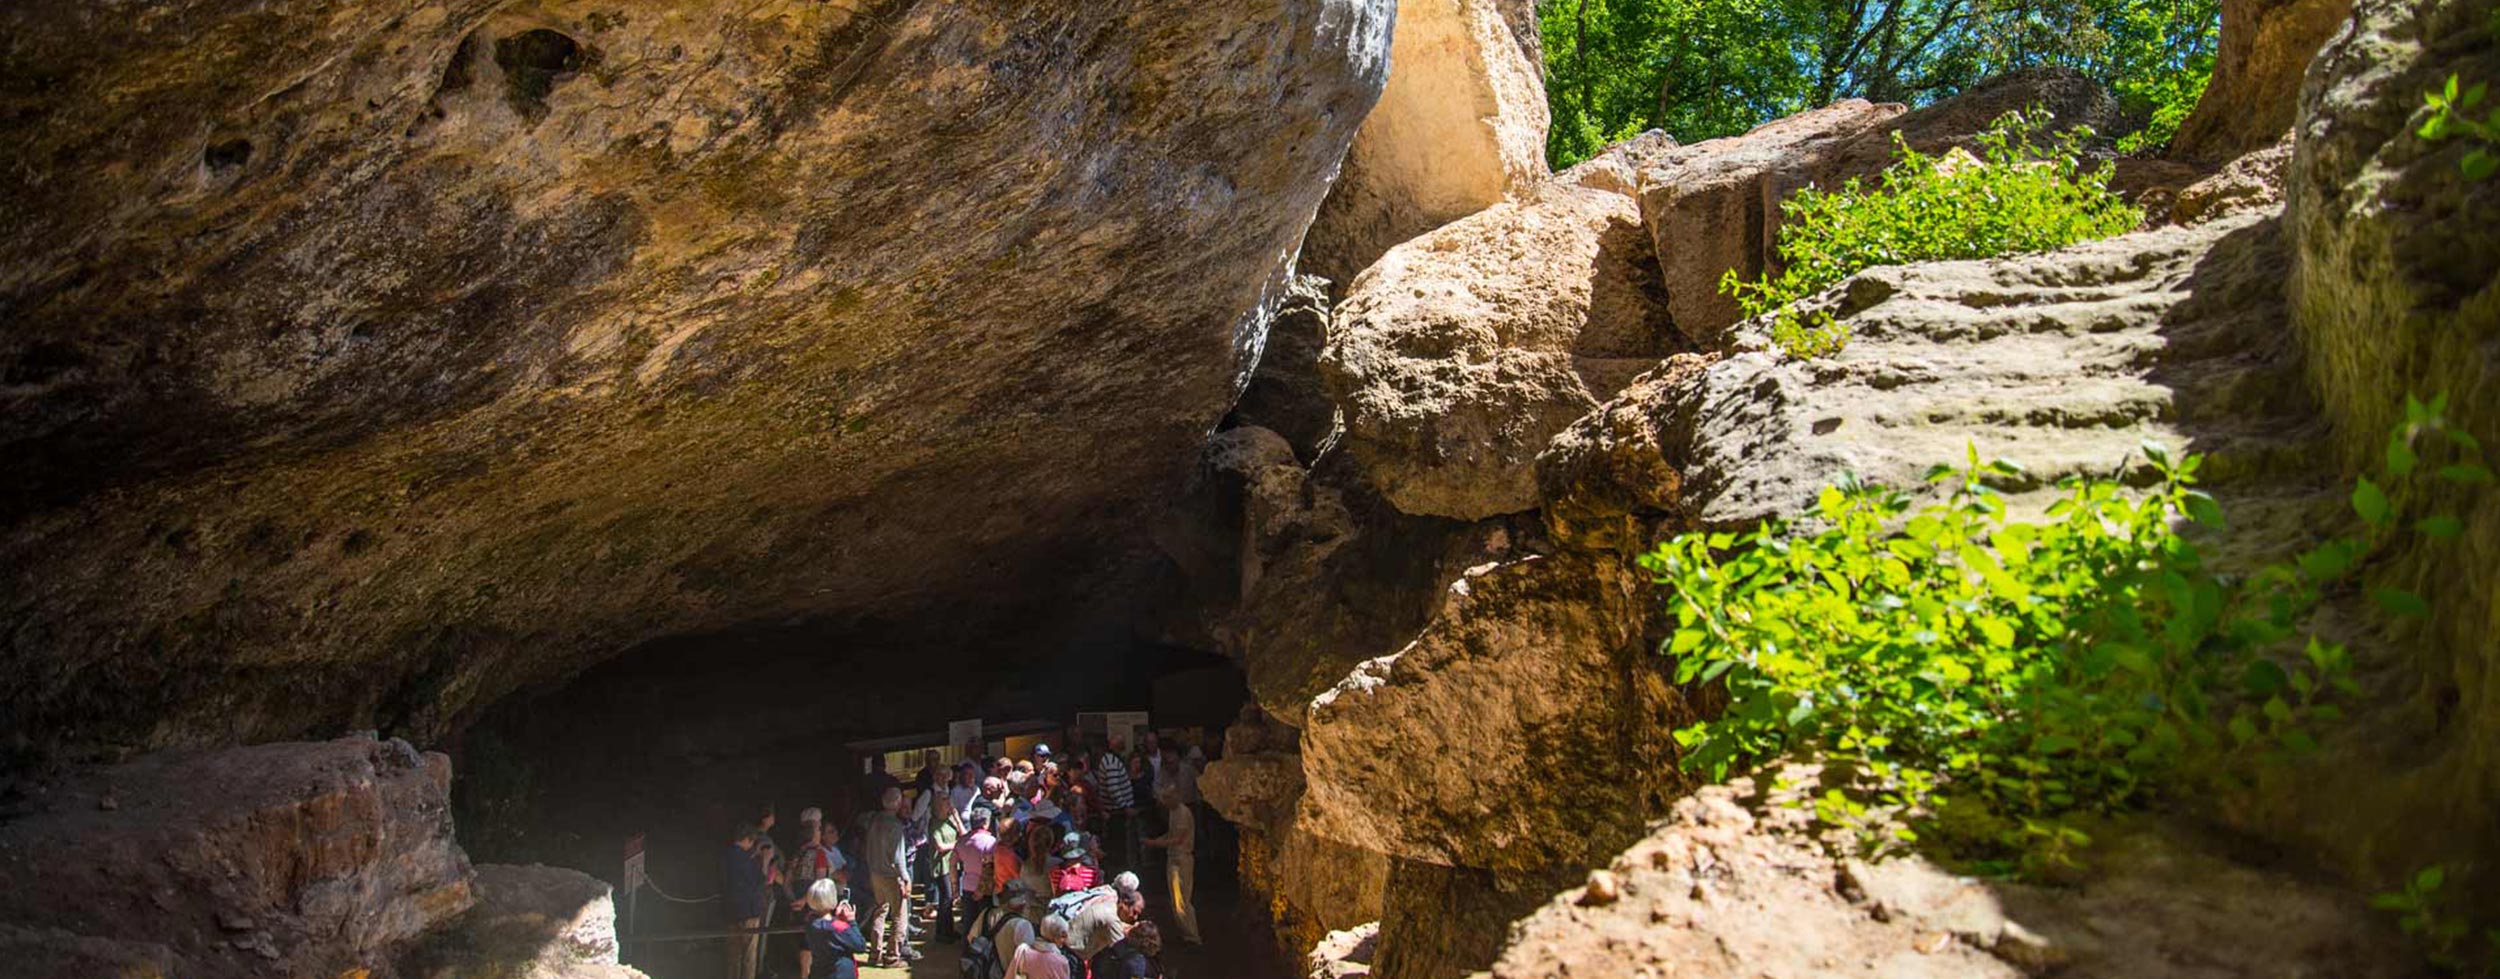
1515, 733
365, 362
1460, 128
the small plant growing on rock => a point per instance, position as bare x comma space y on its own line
2427, 912
2027, 191
2452, 114
2001, 676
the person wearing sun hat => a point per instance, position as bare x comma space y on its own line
1072, 869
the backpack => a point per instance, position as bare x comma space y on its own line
1066, 905
980, 960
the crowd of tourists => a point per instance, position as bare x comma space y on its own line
1031, 865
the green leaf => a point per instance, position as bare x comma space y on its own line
2439, 526
2262, 677
2242, 729
2471, 474
2429, 879
2370, 502
1997, 631
2400, 457
2401, 603
2202, 508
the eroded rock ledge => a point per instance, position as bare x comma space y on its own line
364, 364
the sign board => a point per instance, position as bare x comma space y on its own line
635, 876
1128, 724
961, 733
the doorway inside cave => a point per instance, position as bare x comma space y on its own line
674, 745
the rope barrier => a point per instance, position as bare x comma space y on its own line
654, 884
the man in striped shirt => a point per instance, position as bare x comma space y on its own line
1119, 799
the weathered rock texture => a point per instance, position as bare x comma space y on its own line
363, 364
530, 922
1729, 887
1547, 714
282, 859
1461, 352
2396, 292
1309, 886
2063, 362
1713, 206
2266, 46
1285, 395
1460, 127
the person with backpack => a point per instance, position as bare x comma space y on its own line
1136, 955
1047, 956
996, 933
830, 946
1101, 916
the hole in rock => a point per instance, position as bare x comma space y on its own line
682, 741
533, 62
224, 157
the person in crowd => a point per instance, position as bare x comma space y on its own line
994, 798
946, 831
1007, 860
998, 932
1179, 843
1033, 868
845, 859
1047, 955
744, 895
1137, 955
1072, 869
1041, 754
1179, 775
889, 881
872, 786
817, 858
1020, 779
925, 823
1075, 796
1147, 766
1103, 918
972, 864
967, 788
830, 945
1118, 798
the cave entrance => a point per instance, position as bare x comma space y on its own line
677, 744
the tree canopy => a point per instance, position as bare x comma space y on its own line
1699, 69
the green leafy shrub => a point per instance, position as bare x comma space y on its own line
2004, 675
2017, 196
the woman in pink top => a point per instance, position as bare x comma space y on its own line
1045, 957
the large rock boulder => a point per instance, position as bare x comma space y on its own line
1460, 353
2266, 46
1460, 128
2395, 293
1526, 727
530, 922
304, 859
1729, 887
362, 365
